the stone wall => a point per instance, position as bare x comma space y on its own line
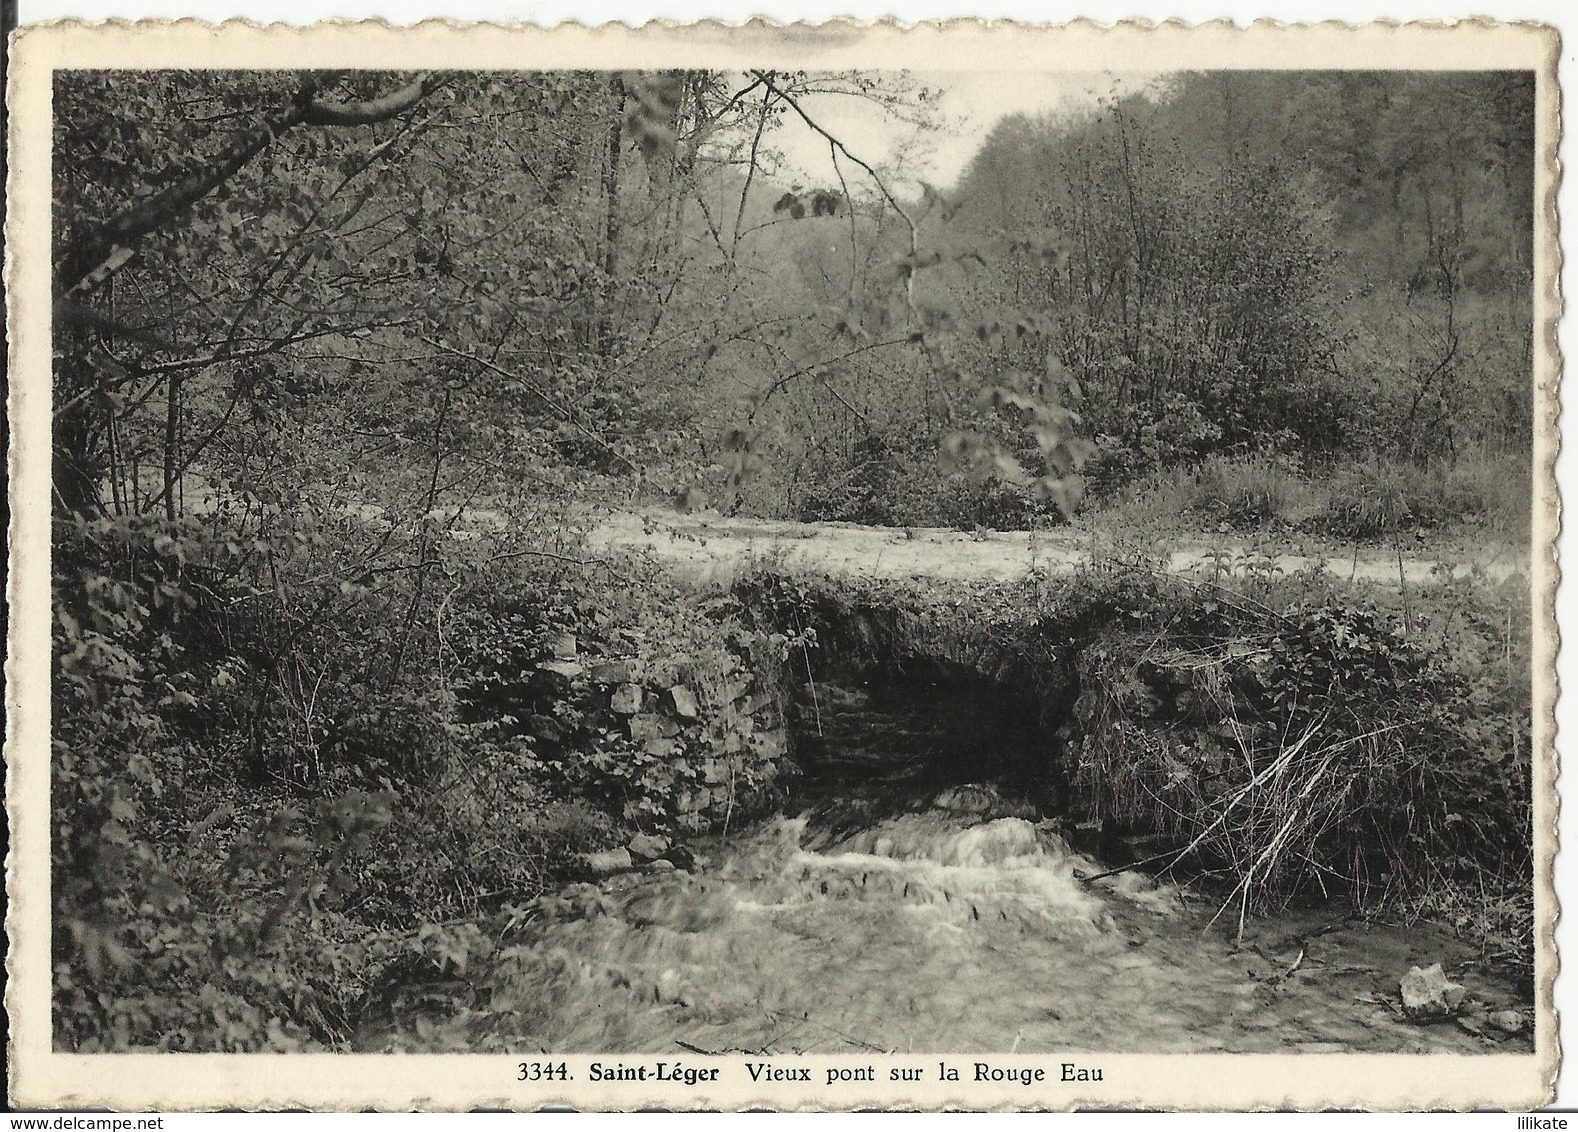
672, 743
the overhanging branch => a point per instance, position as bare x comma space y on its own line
82, 262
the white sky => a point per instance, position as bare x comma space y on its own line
972, 103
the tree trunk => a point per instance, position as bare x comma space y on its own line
172, 439
78, 459
605, 326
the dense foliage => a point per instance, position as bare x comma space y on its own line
1313, 265
1246, 263
267, 802
1314, 748
1271, 737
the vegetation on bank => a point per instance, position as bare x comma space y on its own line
1281, 738
275, 805
1376, 500
1273, 737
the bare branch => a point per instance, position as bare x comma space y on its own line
816, 368
568, 416
750, 170
839, 147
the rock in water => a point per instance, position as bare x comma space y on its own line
982, 801
1428, 994
1507, 1021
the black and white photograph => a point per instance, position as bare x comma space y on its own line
749, 564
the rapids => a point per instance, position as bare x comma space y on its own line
894, 913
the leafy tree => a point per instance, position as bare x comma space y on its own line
1242, 260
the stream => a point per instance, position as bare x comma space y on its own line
898, 908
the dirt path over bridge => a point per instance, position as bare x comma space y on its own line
713, 549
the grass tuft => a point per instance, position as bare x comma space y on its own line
1372, 499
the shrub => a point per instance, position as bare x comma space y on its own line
193, 910
1252, 491
1311, 749
1376, 498
491, 832
278, 773
1359, 499
911, 487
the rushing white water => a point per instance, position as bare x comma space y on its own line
948, 928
